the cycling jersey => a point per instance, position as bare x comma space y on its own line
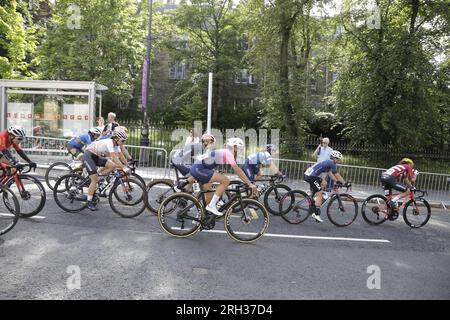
321, 167
80, 141
186, 155
6, 143
102, 147
202, 169
399, 170
262, 157
252, 163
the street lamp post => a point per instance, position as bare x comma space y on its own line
146, 78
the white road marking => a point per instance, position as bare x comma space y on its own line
293, 236
10, 215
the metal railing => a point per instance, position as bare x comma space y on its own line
154, 163
368, 178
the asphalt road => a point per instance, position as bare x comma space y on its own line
98, 255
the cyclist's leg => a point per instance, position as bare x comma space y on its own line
220, 190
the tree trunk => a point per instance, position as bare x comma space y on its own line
285, 99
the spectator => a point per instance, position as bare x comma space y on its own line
37, 131
101, 122
111, 124
191, 138
323, 152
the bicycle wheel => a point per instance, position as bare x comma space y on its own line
55, 171
417, 213
375, 209
157, 191
249, 223
137, 177
9, 210
299, 209
128, 198
342, 210
70, 192
31, 198
272, 199
181, 215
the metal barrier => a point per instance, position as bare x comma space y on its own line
152, 162
368, 179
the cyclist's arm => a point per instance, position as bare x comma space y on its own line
23, 155
241, 174
336, 177
114, 156
126, 153
274, 168
122, 158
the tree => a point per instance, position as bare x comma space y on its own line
96, 40
385, 89
212, 33
18, 41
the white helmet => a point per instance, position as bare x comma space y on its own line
17, 131
120, 133
336, 154
95, 130
235, 142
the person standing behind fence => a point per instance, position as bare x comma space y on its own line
111, 124
323, 152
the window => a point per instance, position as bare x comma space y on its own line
177, 71
245, 77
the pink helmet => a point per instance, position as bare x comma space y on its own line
208, 136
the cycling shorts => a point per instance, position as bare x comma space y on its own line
389, 182
201, 174
314, 183
92, 161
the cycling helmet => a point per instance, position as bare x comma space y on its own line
271, 148
208, 136
235, 142
17, 131
408, 160
336, 154
120, 133
95, 130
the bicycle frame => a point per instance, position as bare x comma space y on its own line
9, 175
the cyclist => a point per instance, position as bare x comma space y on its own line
93, 158
252, 164
76, 145
390, 180
184, 158
203, 171
317, 184
11, 138
124, 156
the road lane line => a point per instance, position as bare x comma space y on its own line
10, 215
293, 236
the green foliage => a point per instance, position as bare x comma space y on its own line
18, 41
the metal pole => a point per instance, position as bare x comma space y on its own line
146, 77
208, 127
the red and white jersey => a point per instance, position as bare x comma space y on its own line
401, 169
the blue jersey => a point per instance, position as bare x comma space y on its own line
262, 157
80, 141
321, 167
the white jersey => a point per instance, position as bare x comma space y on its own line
102, 147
